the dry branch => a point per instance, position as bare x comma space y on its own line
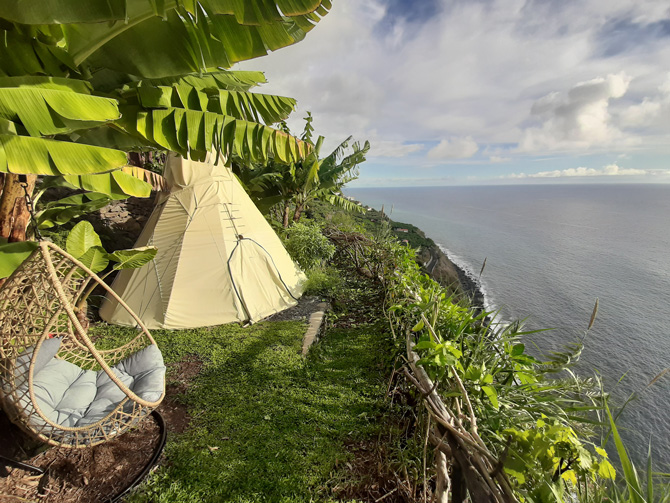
474, 469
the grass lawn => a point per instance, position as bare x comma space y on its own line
267, 423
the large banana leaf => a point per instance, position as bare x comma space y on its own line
111, 136
43, 82
23, 53
153, 39
189, 43
118, 184
41, 156
107, 81
255, 107
62, 11
133, 258
154, 180
194, 133
48, 106
64, 210
190, 36
12, 255
76, 11
224, 79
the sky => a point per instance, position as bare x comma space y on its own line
487, 91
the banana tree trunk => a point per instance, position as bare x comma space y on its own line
298, 212
287, 214
14, 215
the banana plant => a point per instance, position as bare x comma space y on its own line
65, 66
295, 183
83, 83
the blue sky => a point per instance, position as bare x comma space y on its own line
488, 92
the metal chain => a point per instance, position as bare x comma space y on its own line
31, 208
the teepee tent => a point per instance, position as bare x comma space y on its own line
218, 259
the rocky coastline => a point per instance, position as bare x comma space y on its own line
447, 273
442, 269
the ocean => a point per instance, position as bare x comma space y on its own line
550, 251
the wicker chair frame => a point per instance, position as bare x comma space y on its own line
36, 303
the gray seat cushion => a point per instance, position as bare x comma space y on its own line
73, 397
143, 372
64, 392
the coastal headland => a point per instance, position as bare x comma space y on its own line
447, 273
430, 256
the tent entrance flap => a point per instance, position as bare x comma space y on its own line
256, 254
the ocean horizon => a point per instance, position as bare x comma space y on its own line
550, 251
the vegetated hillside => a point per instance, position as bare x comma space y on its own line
428, 254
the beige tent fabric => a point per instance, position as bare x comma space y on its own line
218, 259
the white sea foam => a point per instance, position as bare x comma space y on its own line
461, 263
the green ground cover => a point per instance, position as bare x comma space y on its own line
269, 424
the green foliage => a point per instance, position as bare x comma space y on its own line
116, 184
638, 489
83, 243
68, 208
308, 246
49, 106
542, 423
531, 413
323, 281
550, 458
345, 221
78, 86
12, 255
289, 187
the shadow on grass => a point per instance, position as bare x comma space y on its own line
268, 424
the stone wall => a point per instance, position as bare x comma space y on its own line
123, 221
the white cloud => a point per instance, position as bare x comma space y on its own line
477, 69
652, 113
578, 119
497, 158
456, 148
388, 148
609, 170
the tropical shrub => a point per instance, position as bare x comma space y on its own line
323, 281
308, 246
287, 188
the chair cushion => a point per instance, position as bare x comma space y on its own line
64, 392
48, 350
143, 372
72, 397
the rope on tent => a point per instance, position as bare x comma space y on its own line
240, 238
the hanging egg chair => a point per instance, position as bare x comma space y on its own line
54, 383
